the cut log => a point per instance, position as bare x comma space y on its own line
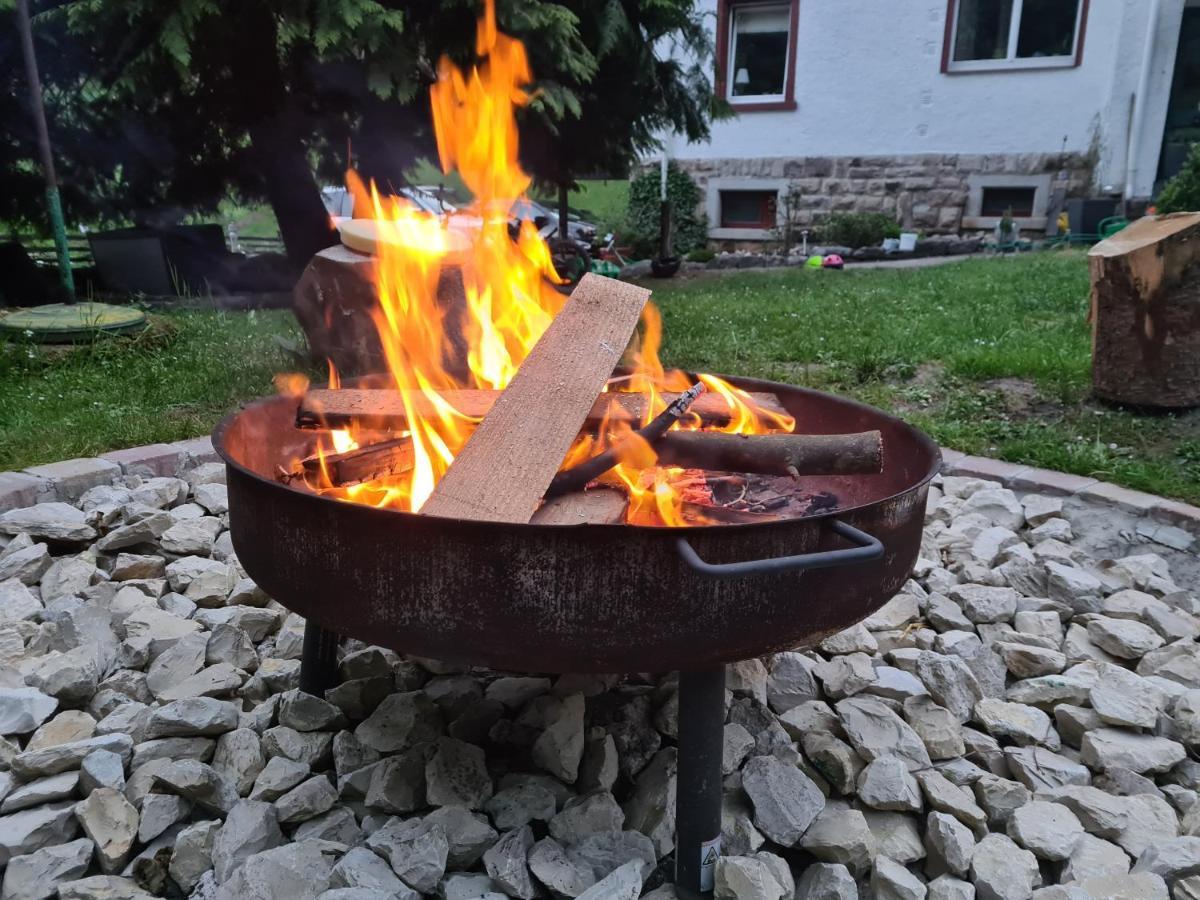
600, 506
368, 463
505, 467
773, 454
1146, 313
384, 410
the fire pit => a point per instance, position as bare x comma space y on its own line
586, 598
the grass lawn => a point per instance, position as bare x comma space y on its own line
990, 356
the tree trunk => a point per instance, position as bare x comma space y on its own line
292, 191
1146, 313
563, 224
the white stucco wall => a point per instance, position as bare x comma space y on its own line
869, 82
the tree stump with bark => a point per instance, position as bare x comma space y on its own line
1146, 313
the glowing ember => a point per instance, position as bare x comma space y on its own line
507, 301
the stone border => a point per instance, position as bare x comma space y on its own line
69, 479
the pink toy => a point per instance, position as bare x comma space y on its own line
833, 261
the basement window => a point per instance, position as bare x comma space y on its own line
758, 51
1018, 34
748, 209
997, 201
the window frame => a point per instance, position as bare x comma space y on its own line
769, 208
724, 56
712, 205
950, 66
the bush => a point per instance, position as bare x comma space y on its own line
858, 229
1182, 193
641, 226
702, 255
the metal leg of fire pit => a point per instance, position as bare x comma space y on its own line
698, 794
318, 663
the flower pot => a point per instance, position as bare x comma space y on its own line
665, 268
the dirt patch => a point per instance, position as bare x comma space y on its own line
1018, 394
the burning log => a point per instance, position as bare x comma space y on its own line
774, 454
384, 409
362, 464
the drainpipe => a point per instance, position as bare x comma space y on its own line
1139, 100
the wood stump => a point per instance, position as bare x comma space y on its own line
333, 301
1146, 313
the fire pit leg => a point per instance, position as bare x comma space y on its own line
698, 794
318, 662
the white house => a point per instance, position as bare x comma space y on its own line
944, 112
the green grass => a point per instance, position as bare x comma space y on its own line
174, 381
990, 356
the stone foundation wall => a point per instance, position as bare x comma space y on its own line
927, 192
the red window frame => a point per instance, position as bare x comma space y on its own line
948, 43
767, 210
724, 18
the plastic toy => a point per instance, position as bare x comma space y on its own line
833, 261
814, 262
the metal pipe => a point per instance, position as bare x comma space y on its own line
698, 789
318, 660
1139, 101
57, 225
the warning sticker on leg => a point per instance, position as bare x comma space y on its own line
710, 851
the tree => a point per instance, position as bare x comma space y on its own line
184, 102
1182, 193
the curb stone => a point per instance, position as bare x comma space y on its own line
62, 480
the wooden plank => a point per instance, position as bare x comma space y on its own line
600, 506
384, 409
504, 468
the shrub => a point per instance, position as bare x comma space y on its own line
1182, 193
858, 229
641, 226
702, 255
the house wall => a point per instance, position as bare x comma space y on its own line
879, 126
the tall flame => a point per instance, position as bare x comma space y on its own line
504, 300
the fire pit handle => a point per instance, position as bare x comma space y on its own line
866, 549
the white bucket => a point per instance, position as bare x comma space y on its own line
908, 241
891, 244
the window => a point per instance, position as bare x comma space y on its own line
759, 51
990, 34
756, 54
748, 209
998, 201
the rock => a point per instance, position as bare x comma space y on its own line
651, 808
584, 816
1073, 587
1003, 871
1049, 830
559, 748
193, 716
63, 757
102, 887
1039, 769
360, 868
738, 742
199, 783
892, 881
1143, 886
26, 565
239, 759
886, 783
1150, 820
300, 871
947, 887
251, 827
1099, 812
745, 878
1123, 637
790, 682
936, 726
456, 775
999, 506
159, 812
399, 722
304, 712
112, 823
60, 522
1108, 748
1016, 722
206, 582
416, 854
17, 602
949, 682
785, 800
1027, 661
983, 604
551, 866
1093, 857
70, 677
513, 807
468, 834
844, 676
505, 862
36, 876
311, 748
822, 881
23, 709
950, 845
841, 835
191, 537
623, 883
1173, 859
833, 759
943, 795
308, 799
397, 784
875, 730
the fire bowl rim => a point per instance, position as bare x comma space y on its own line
923, 440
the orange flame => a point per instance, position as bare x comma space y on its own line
506, 300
